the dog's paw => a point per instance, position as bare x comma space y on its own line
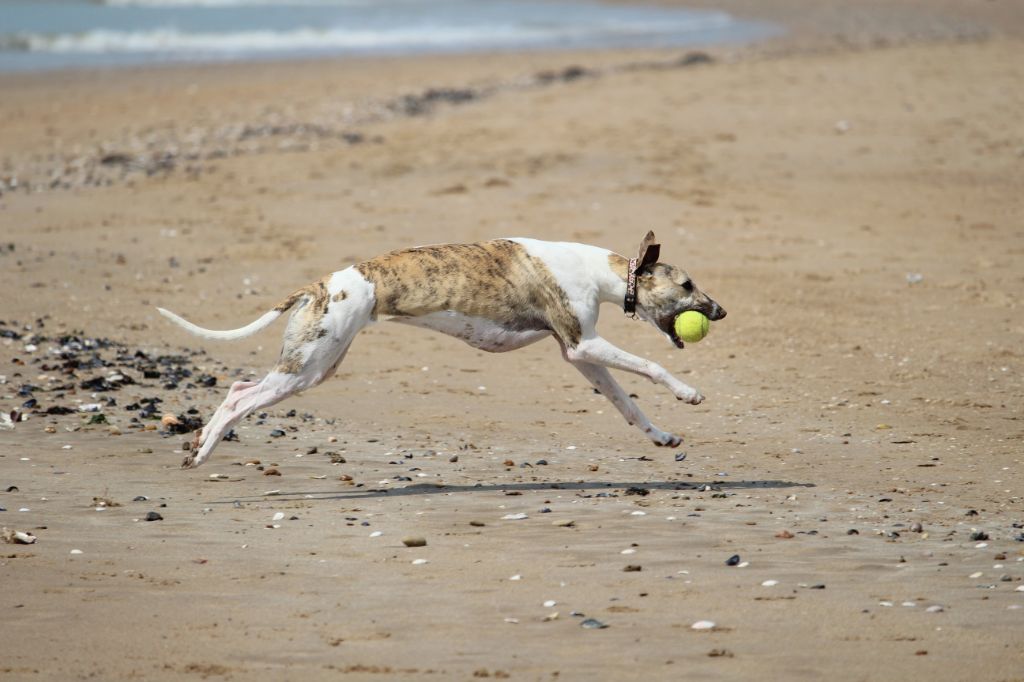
690, 396
666, 440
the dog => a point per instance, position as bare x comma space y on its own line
497, 296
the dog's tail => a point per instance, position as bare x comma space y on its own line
232, 334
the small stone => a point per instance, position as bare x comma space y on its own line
414, 541
784, 535
419, 562
703, 625
592, 624
453, 459
477, 524
509, 463
680, 456
853, 531
979, 535
733, 560
514, 517
549, 603
936, 608
632, 568
916, 528
276, 433
154, 516
564, 523
271, 471
769, 583
278, 516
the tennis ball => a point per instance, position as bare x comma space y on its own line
692, 326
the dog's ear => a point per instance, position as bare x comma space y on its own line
649, 252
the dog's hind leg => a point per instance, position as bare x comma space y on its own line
316, 339
274, 388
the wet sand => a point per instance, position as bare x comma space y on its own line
854, 201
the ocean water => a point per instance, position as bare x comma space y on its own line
54, 34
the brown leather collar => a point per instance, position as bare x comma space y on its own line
629, 305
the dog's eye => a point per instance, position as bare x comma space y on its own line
688, 286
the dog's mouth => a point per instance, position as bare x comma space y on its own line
668, 326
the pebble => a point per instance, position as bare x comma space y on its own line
769, 583
516, 577
514, 517
76, 551
419, 562
592, 624
278, 516
703, 625
680, 456
376, 534
549, 603
154, 516
414, 541
734, 560
935, 609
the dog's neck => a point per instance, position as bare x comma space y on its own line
615, 290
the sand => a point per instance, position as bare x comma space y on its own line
853, 199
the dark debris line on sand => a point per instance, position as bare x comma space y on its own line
77, 374
146, 153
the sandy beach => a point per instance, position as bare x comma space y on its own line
852, 192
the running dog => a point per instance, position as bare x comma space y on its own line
497, 296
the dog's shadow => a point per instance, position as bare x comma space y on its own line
616, 488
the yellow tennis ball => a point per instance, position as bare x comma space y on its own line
692, 326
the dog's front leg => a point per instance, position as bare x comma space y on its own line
602, 380
600, 352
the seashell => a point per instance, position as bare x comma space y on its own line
17, 537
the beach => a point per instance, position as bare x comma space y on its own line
847, 502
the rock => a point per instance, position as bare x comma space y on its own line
703, 625
979, 535
632, 568
564, 523
784, 535
154, 516
593, 624
734, 560
916, 528
271, 471
414, 541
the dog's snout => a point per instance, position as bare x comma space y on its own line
717, 313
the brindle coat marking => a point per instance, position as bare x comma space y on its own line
496, 280
497, 296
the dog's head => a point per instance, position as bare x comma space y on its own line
663, 291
